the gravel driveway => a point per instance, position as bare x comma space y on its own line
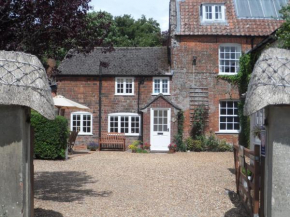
127, 184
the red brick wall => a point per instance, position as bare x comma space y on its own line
85, 90
206, 49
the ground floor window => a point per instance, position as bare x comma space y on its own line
128, 123
82, 122
229, 119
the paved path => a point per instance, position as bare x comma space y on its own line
127, 184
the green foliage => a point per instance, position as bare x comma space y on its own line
140, 150
50, 136
249, 173
223, 146
200, 114
197, 146
178, 139
125, 31
211, 143
189, 143
283, 33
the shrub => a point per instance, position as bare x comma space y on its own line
197, 146
139, 150
189, 142
211, 143
93, 146
224, 146
132, 147
50, 136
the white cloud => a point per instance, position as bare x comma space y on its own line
156, 9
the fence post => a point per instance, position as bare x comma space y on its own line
256, 180
237, 170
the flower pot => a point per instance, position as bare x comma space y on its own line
134, 151
171, 151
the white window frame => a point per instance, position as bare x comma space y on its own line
161, 85
238, 50
81, 133
124, 86
129, 115
228, 131
213, 11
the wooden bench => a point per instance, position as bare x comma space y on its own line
112, 141
71, 141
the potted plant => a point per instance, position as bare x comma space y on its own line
172, 147
93, 146
146, 146
133, 148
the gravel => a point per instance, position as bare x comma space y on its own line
127, 184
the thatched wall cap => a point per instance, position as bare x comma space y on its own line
270, 81
23, 81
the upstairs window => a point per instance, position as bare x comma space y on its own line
229, 56
82, 122
213, 12
124, 86
161, 85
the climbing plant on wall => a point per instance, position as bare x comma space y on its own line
241, 80
199, 115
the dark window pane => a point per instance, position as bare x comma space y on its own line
237, 126
230, 111
229, 126
223, 126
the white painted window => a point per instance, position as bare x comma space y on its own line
229, 56
213, 12
124, 86
128, 123
229, 119
82, 122
260, 116
161, 85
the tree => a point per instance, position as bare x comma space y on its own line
136, 33
283, 33
49, 28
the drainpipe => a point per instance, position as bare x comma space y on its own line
141, 81
100, 100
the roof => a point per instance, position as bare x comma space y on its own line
23, 81
188, 21
122, 61
163, 97
270, 81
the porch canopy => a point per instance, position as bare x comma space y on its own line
270, 81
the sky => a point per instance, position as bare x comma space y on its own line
156, 9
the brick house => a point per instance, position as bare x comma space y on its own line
143, 89
136, 94
207, 39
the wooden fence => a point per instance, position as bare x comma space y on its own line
250, 178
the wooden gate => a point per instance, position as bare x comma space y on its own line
249, 171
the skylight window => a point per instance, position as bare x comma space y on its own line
259, 8
212, 12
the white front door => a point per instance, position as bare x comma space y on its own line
160, 129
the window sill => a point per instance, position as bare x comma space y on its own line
122, 94
129, 134
228, 132
164, 94
85, 134
227, 73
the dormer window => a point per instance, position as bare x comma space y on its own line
213, 12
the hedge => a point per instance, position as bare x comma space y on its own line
50, 136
